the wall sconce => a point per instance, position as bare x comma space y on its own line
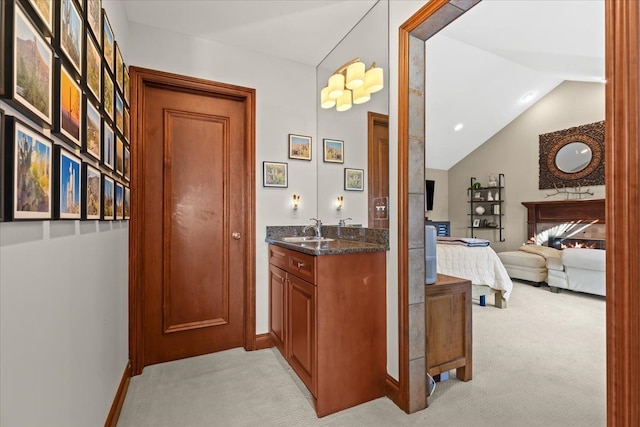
339, 203
351, 84
295, 202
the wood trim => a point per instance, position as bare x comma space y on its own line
140, 78
263, 341
622, 171
403, 190
392, 389
118, 400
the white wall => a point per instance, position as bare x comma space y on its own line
440, 210
63, 312
514, 152
285, 103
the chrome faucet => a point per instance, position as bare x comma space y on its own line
317, 227
343, 222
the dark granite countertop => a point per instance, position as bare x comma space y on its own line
347, 240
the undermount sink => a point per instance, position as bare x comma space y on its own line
306, 239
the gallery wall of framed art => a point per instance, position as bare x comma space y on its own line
66, 154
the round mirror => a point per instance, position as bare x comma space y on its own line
573, 157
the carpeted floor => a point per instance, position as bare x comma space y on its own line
540, 362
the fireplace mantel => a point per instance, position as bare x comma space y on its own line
550, 211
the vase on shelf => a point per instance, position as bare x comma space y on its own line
479, 210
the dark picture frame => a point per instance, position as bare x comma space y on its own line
93, 69
275, 174
119, 112
28, 186
333, 150
108, 198
119, 201
68, 185
3, 38
29, 81
126, 90
119, 72
127, 163
108, 145
107, 94
69, 107
353, 179
126, 133
44, 10
91, 194
71, 33
108, 41
127, 203
300, 147
92, 138
119, 167
94, 16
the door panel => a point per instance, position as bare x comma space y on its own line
278, 304
378, 170
194, 181
302, 330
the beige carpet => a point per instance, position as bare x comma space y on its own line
541, 362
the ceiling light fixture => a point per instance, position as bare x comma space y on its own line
527, 97
351, 84
458, 127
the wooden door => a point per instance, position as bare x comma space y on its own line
194, 197
378, 170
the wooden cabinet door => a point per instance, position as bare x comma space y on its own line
301, 330
278, 304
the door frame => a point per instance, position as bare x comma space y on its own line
373, 119
622, 171
140, 79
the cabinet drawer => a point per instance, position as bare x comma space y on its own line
296, 263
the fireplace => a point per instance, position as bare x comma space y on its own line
567, 242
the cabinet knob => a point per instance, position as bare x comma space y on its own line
300, 264
236, 235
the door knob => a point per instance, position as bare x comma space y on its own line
235, 235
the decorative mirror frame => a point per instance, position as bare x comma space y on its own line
591, 134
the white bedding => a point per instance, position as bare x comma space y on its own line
481, 265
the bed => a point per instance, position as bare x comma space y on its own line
480, 264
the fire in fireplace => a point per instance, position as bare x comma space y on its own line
563, 243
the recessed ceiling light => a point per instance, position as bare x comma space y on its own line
528, 97
458, 127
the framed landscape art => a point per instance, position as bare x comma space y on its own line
299, 147
94, 15
69, 107
31, 157
108, 196
127, 164
127, 203
91, 200
333, 151
71, 33
119, 201
125, 83
119, 112
93, 71
119, 156
32, 72
275, 174
68, 188
353, 179
127, 125
107, 94
119, 67
108, 145
93, 135
107, 41
44, 10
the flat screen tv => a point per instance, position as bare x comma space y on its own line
429, 185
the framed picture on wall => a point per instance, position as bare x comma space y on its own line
299, 147
119, 201
107, 41
125, 83
44, 10
71, 32
127, 163
69, 106
94, 15
354, 179
275, 174
93, 134
108, 145
68, 188
119, 156
31, 157
119, 113
31, 80
127, 203
119, 67
91, 200
108, 197
107, 94
94, 68
333, 151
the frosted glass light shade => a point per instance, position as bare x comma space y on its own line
325, 101
360, 95
344, 102
355, 75
336, 86
374, 80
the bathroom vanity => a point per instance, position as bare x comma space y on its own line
328, 317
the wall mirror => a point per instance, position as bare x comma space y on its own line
573, 156
369, 41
